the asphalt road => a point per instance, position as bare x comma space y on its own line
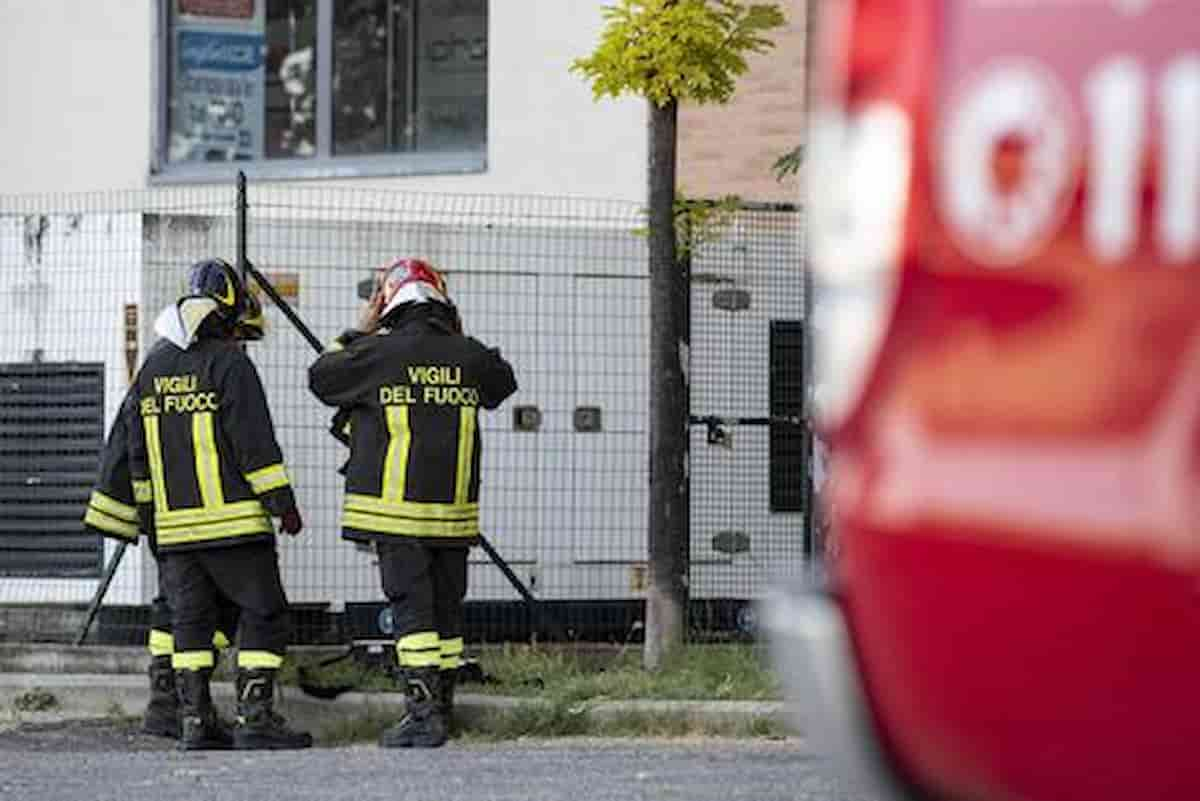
96, 761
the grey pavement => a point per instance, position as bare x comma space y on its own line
113, 695
84, 749
575, 769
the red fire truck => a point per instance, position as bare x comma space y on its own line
1006, 249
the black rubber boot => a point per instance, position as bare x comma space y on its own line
258, 727
200, 728
422, 725
445, 700
162, 713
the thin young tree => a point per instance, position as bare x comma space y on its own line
671, 51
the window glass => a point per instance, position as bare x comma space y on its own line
256, 80
243, 80
409, 75
372, 46
452, 75
291, 79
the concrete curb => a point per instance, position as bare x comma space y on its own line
50, 658
46, 660
81, 696
101, 681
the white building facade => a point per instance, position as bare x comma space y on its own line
369, 129
452, 96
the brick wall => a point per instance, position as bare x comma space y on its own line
730, 149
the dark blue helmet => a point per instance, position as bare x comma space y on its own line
216, 279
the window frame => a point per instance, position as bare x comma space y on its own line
322, 165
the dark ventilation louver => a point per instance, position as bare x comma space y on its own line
788, 443
51, 432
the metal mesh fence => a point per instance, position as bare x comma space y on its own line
749, 444
75, 316
559, 285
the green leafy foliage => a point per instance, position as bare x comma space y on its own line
788, 163
667, 50
698, 221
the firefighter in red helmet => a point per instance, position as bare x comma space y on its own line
413, 385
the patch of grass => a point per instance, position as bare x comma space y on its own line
562, 720
365, 728
648, 724
563, 682
566, 674
544, 721
347, 672
530, 720
697, 672
35, 700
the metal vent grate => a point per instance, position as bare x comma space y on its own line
51, 432
788, 442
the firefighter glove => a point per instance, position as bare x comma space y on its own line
290, 521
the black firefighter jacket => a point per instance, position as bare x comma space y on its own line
112, 507
203, 453
414, 394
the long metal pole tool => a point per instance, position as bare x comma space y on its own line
101, 590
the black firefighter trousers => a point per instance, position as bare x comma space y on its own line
248, 576
425, 585
161, 641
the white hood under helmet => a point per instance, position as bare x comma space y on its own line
180, 321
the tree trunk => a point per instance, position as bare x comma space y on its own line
668, 535
814, 528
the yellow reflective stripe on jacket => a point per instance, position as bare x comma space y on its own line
214, 531
267, 479
409, 527
221, 640
143, 492
208, 468
192, 660
259, 659
180, 518
242, 518
109, 516
155, 459
112, 507
419, 650
119, 528
160, 643
369, 504
466, 448
413, 518
395, 461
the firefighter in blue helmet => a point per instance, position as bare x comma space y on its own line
112, 513
208, 476
411, 385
